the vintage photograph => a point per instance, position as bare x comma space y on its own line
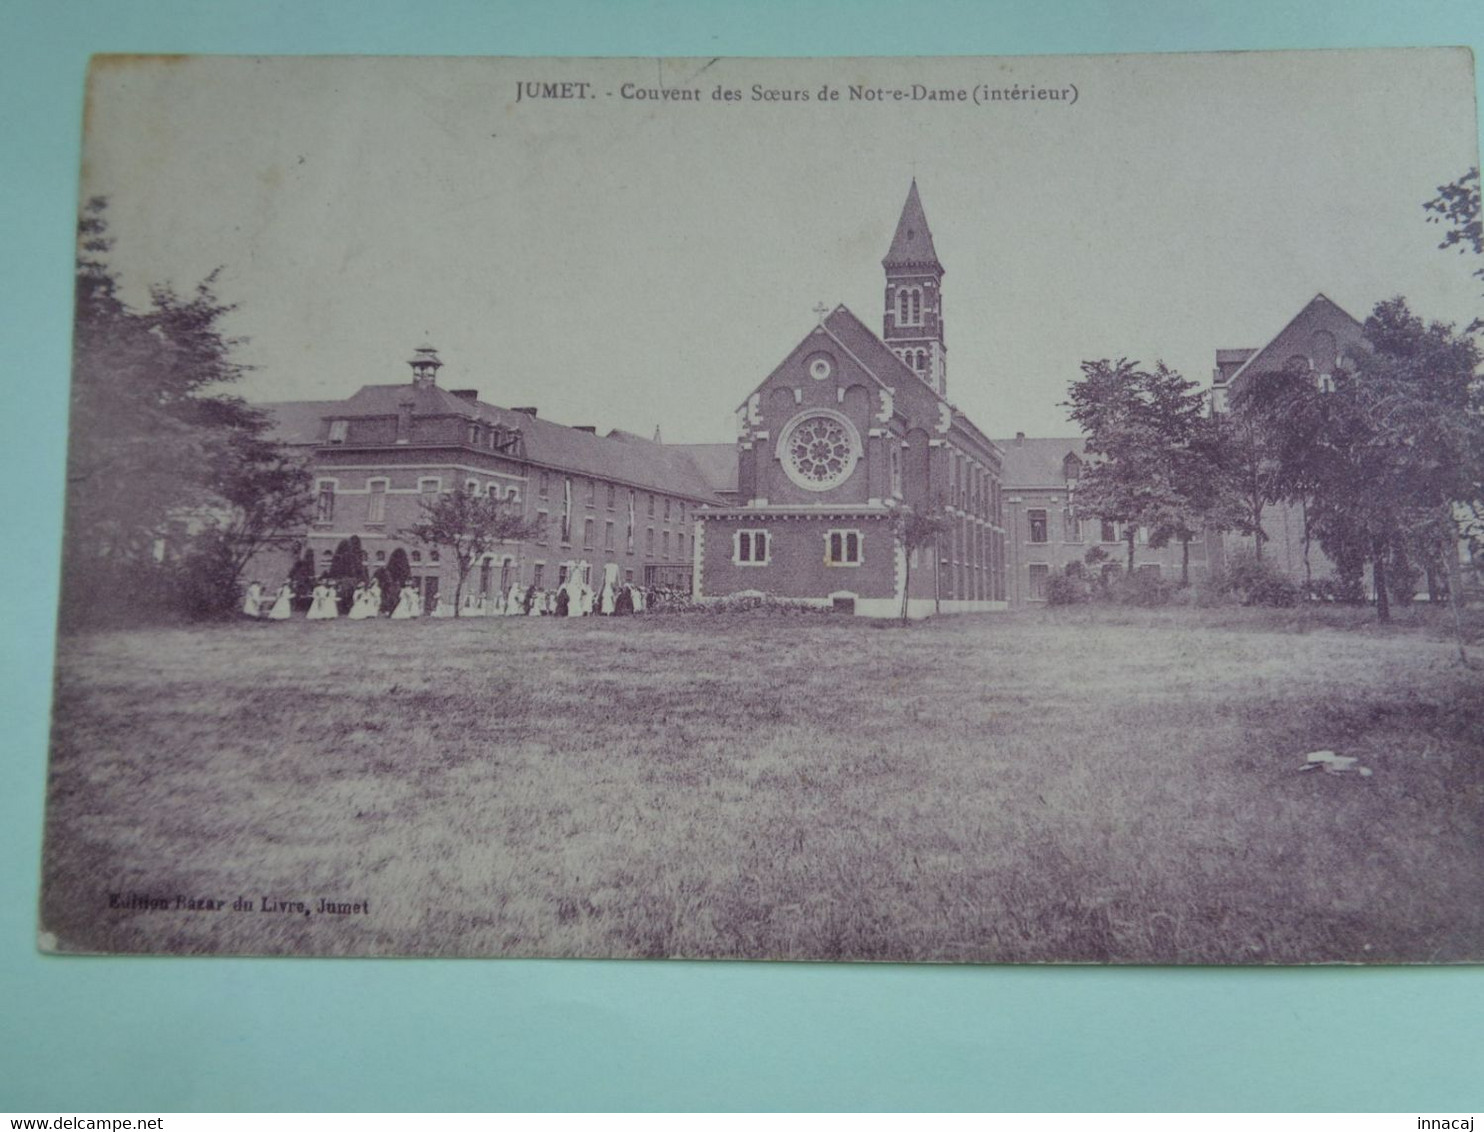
530, 507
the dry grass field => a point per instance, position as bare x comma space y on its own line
1078, 785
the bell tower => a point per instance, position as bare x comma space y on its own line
913, 326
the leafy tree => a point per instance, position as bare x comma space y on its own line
263, 496
302, 578
915, 530
1457, 206
398, 571
1155, 453
347, 570
154, 443
1391, 454
469, 526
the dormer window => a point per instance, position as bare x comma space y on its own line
338, 431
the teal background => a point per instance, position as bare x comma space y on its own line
148, 1035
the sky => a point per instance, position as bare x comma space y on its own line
635, 263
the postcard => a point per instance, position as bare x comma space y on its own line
1014, 510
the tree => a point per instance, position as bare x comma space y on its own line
157, 451
1154, 451
347, 570
302, 578
398, 571
1457, 206
1389, 454
469, 526
915, 530
264, 496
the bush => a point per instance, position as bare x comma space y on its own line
1142, 587
1254, 581
1064, 590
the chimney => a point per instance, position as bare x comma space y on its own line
1019, 439
528, 410
425, 366
404, 419
466, 394
592, 429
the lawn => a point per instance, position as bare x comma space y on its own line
1073, 785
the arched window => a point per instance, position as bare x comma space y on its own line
916, 306
903, 307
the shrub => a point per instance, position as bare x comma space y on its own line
1142, 587
1062, 589
1254, 581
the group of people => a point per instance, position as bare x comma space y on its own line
573, 597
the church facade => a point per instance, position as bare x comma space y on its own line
849, 432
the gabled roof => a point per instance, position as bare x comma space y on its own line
1260, 359
386, 400
296, 422
860, 342
912, 246
670, 468
716, 462
881, 362
1037, 461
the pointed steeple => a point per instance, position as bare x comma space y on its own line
912, 246
913, 322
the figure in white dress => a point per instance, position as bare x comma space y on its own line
252, 604
585, 594
360, 606
283, 604
514, 606
468, 608
323, 607
404, 608
373, 599
441, 608
608, 595
417, 602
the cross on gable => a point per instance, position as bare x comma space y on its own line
821, 310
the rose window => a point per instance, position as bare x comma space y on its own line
819, 453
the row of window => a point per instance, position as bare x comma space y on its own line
1036, 519
377, 489
972, 488
755, 548
652, 501
589, 530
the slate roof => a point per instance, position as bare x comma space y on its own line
297, 422
912, 246
671, 468
1037, 461
717, 463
